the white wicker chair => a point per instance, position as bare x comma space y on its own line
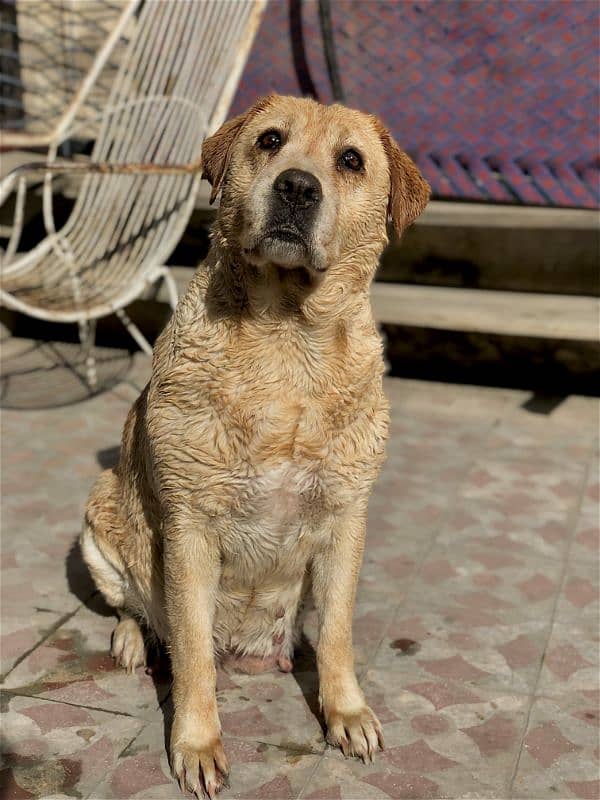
176, 81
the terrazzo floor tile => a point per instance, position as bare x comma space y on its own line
546, 533
462, 615
53, 748
274, 708
22, 630
586, 542
424, 776
424, 644
74, 666
522, 486
388, 570
571, 660
579, 598
51, 375
442, 740
481, 404
554, 433
535, 441
259, 771
431, 443
52, 461
415, 519
495, 585
591, 495
560, 750
47, 585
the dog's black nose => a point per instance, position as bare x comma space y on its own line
298, 188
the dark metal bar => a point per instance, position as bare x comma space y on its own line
329, 50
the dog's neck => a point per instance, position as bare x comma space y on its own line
239, 289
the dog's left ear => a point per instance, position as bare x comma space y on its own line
216, 150
409, 191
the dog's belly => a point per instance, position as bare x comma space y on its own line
255, 628
265, 550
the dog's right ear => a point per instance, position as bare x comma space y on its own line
216, 150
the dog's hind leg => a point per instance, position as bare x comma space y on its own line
127, 644
101, 554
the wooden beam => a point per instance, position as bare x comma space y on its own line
480, 215
510, 313
485, 215
556, 316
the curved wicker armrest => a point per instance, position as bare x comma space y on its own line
7, 184
17, 178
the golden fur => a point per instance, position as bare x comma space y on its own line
247, 461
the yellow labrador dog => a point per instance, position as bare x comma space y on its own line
247, 461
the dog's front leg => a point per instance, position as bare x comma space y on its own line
350, 722
192, 573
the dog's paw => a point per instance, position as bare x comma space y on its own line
200, 768
358, 734
127, 646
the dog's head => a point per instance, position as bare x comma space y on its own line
304, 185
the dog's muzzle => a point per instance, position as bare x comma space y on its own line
287, 238
295, 200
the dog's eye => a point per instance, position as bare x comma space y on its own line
350, 159
269, 140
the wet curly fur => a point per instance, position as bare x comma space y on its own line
247, 461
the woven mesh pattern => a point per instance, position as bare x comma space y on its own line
46, 49
168, 89
497, 100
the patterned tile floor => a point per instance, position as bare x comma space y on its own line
476, 627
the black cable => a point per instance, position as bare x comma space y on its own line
305, 80
329, 49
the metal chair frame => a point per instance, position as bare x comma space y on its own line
138, 190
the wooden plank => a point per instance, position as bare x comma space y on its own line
511, 313
485, 215
477, 215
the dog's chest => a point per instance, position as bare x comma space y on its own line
287, 492
288, 489
288, 450
278, 519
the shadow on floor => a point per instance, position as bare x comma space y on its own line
547, 367
37, 375
306, 676
543, 404
81, 584
108, 457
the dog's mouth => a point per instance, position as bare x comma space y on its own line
286, 246
286, 234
